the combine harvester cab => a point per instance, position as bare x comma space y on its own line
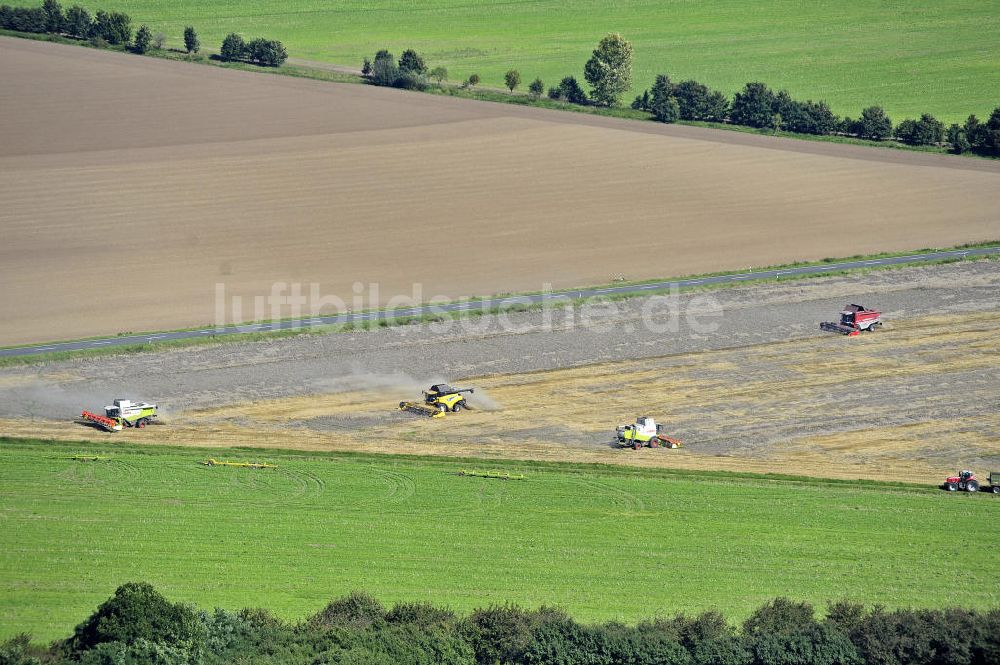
123, 413
439, 399
645, 432
853, 320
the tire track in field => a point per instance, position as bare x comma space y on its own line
399, 486
618, 497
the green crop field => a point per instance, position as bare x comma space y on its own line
941, 57
602, 542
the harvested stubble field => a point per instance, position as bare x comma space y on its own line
133, 186
604, 543
766, 391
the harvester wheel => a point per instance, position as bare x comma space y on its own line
442, 408
972, 486
140, 423
457, 407
637, 445
654, 443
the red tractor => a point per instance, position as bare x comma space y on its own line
965, 481
853, 320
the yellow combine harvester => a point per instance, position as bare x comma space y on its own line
439, 399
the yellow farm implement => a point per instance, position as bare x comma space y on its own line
499, 475
240, 465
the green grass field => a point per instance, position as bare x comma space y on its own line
924, 56
602, 542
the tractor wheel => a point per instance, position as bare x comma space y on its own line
637, 445
972, 486
951, 487
996, 489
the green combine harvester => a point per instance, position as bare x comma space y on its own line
123, 413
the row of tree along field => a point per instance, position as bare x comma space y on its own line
105, 29
609, 73
138, 626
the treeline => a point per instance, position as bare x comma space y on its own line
107, 27
757, 105
609, 74
139, 626
608, 71
115, 28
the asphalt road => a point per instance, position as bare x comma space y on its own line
487, 304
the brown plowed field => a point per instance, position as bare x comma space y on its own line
132, 186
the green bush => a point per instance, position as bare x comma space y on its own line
78, 22
357, 610
662, 102
15, 651
420, 614
143, 39
698, 102
499, 633
138, 612
570, 90
411, 61
24, 19
384, 69
141, 652
512, 79
266, 52
410, 80
439, 74
233, 48
928, 130
112, 27
191, 43
54, 17
753, 106
814, 644
873, 124
781, 615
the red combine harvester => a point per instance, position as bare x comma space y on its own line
853, 320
